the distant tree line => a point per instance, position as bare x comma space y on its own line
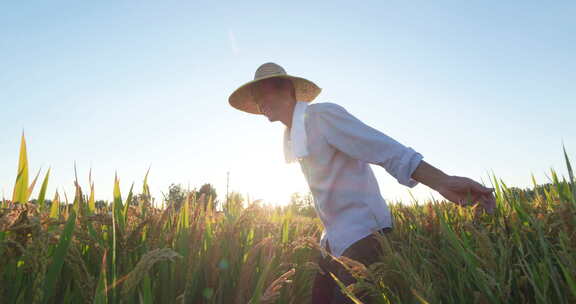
205, 195
300, 203
540, 190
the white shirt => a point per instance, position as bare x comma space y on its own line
334, 150
295, 140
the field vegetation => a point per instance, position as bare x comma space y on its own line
72, 250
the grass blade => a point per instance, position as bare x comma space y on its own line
91, 200
31, 187
118, 208
101, 296
55, 208
21, 187
127, 204
42, 195
58, 257
570, 175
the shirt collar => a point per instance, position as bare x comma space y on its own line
295, 139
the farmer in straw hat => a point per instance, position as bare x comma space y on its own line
334, 150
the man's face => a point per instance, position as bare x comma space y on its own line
274, 102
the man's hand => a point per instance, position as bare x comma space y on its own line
464, 191
460, 190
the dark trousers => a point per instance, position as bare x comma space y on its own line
325, 290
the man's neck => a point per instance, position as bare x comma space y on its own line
287, 120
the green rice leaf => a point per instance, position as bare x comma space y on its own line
101, 290
571, 176
91, 200
344, 290
145, 189
42, 195
21, 187
147, 286
127, 204
31, 187
118, 207
55, 267
55, 208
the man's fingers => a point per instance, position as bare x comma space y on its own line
453, 197
475, 193
489, 203
478, 187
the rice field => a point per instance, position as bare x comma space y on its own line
80, 252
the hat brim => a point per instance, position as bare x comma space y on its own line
243, 100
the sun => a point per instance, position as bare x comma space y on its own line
273, 184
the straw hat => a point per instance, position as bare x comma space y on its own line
243, 100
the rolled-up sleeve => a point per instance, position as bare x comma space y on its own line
349, 135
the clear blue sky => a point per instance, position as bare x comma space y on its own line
123, 85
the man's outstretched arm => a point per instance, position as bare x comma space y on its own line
457, 189
360, 141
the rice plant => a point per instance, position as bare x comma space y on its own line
81, 252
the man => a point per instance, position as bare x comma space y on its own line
334, 150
